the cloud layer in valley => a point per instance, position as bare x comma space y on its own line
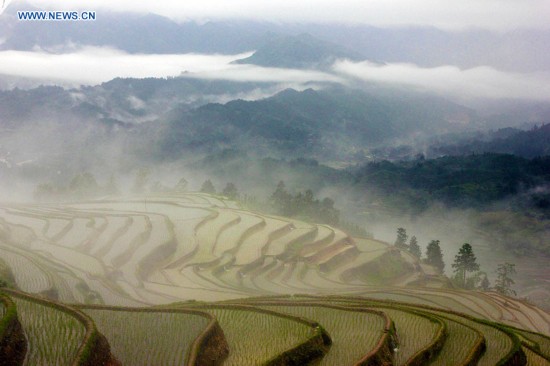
93, 65
478, 82
445, 14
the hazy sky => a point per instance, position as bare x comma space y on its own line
498, 15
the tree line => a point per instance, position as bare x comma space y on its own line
465, 262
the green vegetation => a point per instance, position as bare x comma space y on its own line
293, 330
256, 337
54, 336
208, 187
463, 344
401, 241
465, 261
414, 248
303, 205
471, 181
354, 333
415, 332
149, 337
175, 246
13, 345
6, 275
504, 282
534, 359
434, 256
230, 191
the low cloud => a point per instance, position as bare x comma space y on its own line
93, 65
478, 82
252, 73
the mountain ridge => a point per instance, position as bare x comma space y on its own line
302, 51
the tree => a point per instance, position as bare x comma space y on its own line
181, 186
280, 200
141, 179
414, 248
485, 285
208, 187
326, 213
434, 256
83, 185
465, 261
230, 191
503, 283
401, 241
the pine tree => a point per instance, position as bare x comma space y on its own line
414, 248
465, 261
434, 256
401, 241
503, 283
230, 191
208, 187
327, 213
280, 200
485, 284
181, 186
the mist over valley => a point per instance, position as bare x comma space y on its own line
320, 179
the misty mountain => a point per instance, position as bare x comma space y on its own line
335, 123
126, 100
159, 120
458, 180
528, 144
168, 119
20, 107
520, 51
133, 33
299, 52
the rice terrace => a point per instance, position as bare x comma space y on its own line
194, 279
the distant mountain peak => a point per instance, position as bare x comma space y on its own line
302, 51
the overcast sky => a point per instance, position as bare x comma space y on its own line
501, 15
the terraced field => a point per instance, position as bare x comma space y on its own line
52, 333
305, 329
144, 340
47, 346
163, 248
256, 337
160, 265
355, 333
276, 330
